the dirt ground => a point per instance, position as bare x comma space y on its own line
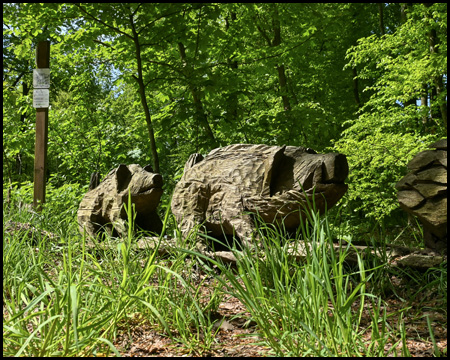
238, 337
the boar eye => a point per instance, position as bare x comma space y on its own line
148, 168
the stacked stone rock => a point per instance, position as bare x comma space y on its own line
423, 193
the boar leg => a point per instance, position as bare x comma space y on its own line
194, 204
239, 220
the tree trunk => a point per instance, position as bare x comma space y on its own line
424, 103
140, 81
280, 68
356, 87
403, 9
19, 164
232, 101
443, 103
437, 80
199, 110
283, 88
380, 11
403, 18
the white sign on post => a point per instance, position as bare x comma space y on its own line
41, 78
41, 84
40, 98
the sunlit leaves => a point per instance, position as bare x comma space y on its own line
391, 128
231, 65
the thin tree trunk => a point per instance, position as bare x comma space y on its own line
437, 80
199, 110
403, 18
443, 104
403, 9
280, 68
139, 79
356, 87
25, 91
424, 103
380, 11
232, 106
283, 88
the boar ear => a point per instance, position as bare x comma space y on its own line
193, 159
94, 181
271, 165
123, 177
148, 168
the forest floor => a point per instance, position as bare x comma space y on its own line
236, 336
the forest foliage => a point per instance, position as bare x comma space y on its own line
153, 83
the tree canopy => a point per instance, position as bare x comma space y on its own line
155, 82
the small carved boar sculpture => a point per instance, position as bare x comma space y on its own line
102, 207
223, 189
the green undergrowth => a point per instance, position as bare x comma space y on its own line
63, 298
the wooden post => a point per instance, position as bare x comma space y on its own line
40, 151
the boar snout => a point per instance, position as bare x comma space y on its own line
335, 168
157, 180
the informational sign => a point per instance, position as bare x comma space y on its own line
40, 98
41, 78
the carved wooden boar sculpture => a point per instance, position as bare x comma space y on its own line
221, 190
102, 207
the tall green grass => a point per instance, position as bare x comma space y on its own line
67, 301
310, 308
61, 298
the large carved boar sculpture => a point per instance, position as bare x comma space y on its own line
102, 207
223, 189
